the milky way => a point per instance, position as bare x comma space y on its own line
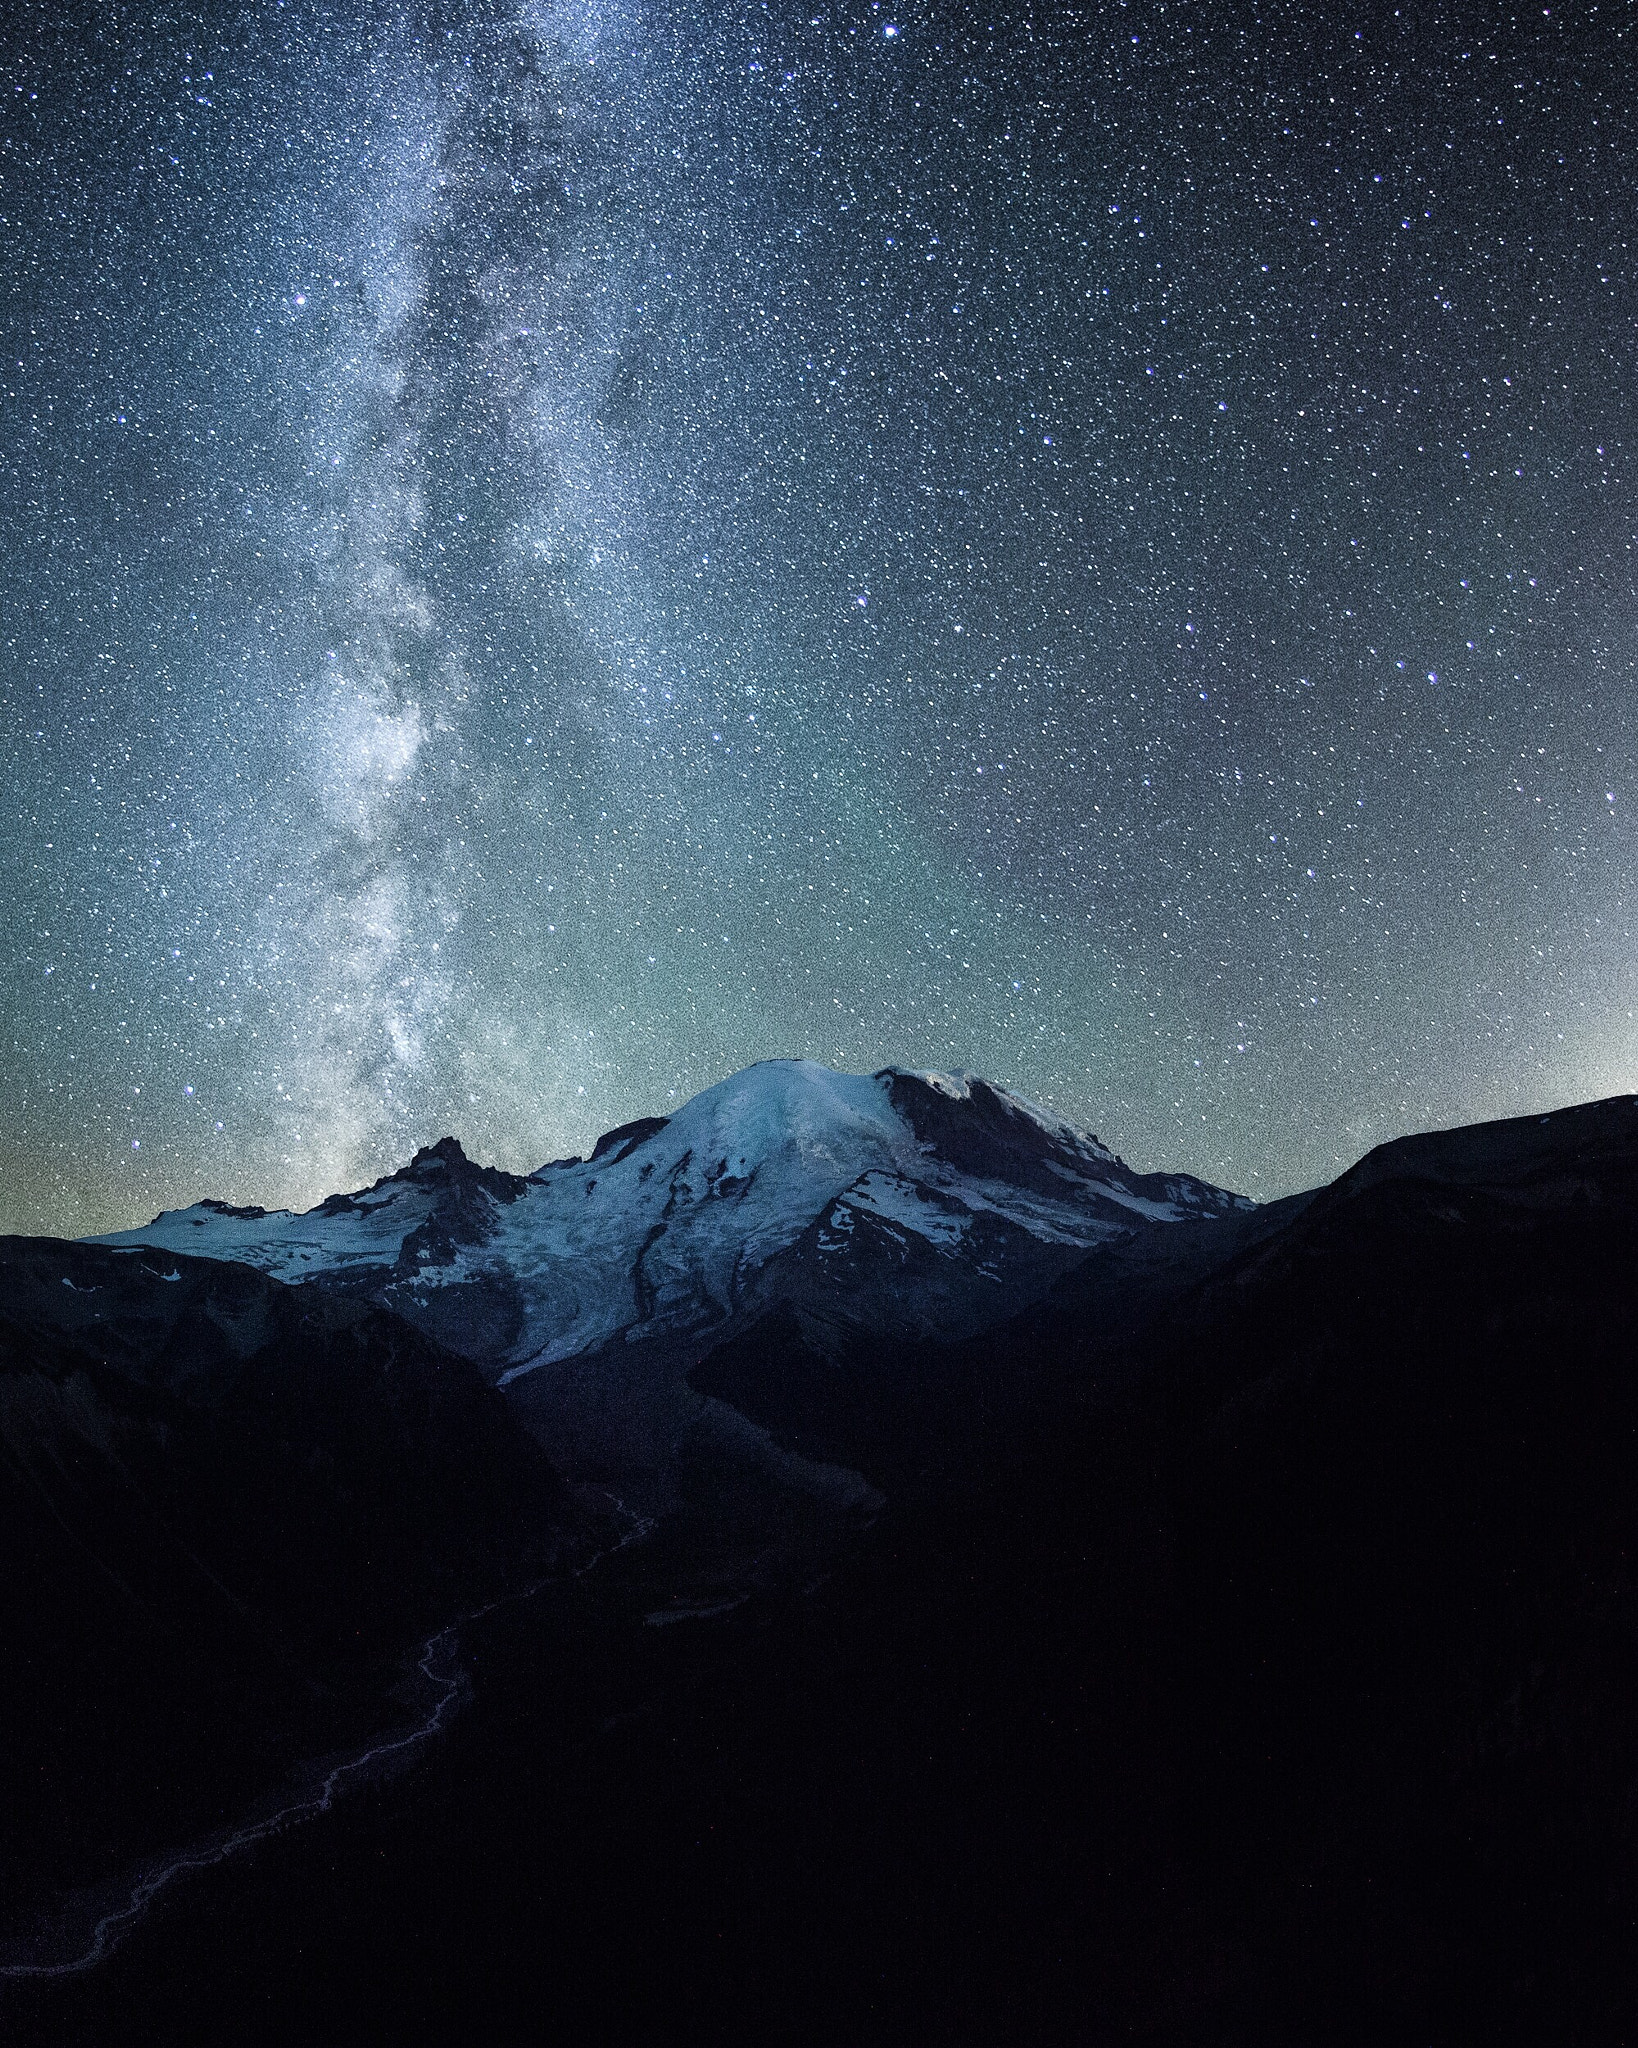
551, 551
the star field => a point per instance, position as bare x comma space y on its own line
551, 551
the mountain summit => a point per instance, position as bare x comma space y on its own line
896, 1204
936, 1201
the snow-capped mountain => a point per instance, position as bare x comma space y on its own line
925, 1203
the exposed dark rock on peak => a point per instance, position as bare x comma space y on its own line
614, 1145
443, 1168
449, 1150
447, 1162
981, 1129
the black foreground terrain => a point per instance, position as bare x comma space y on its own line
228, 1511
1248, 1653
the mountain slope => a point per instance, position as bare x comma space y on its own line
227, 1508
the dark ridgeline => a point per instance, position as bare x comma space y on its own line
1247, 1653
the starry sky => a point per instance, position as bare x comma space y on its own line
550, 549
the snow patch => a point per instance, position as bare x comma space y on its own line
897, 1200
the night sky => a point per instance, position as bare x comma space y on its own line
550, 551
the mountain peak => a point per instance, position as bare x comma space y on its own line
939, 1200
446, 1172
447, 1152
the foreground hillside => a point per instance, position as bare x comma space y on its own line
228, 1513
